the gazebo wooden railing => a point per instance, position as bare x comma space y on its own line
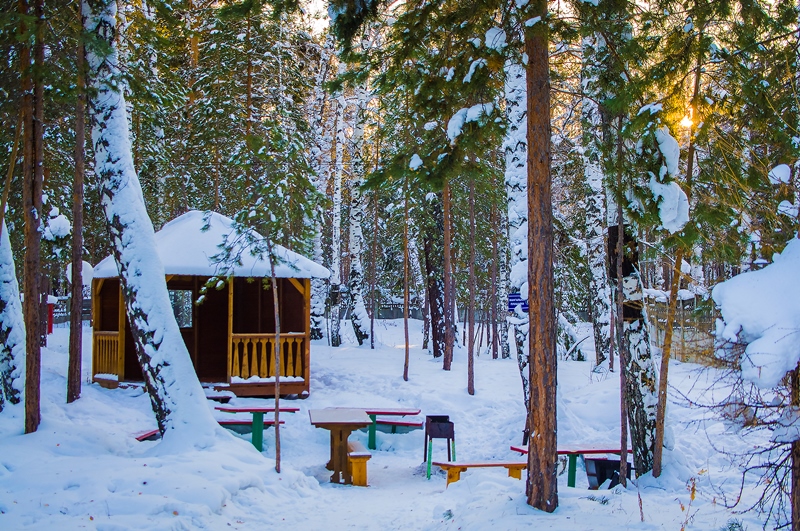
253, 355
105, 353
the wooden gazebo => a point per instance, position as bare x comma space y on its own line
230, 335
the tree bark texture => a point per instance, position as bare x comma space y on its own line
432, 249
276, 351
635, 356
795, 455
336, 238
666, 352
493, 299
449, 328
373, 272
599, 289
321, 166
405, 279
76, 290
471, 305
32, 178
541, 487
619, 249
358, 315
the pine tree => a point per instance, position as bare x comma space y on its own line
12, 328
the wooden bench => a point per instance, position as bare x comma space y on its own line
357, 457
572, 456
239, 426
150, 435
454, 470
393, 424
243, 426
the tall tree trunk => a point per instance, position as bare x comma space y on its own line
661, 409
542, 486
358, 316
449, 331
373, 272
472, 294
426, 318
516, 175
493, 302
175, 393
321, 166
76, 293
795, 455
635, 357
502, 286
666, 352
276, 351
405, 277
336, 238
620, 258
32, 177
432, 248
599, 291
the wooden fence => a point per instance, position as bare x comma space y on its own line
693, 331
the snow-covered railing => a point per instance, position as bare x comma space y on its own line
105, 353
252, 355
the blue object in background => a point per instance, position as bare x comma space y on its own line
514, 300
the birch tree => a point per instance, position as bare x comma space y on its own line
335, 282
356, 277
516, 150
321, 164
599, 290
175, 393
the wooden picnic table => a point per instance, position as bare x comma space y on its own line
341, 422
572, 456
258, 419
373, 415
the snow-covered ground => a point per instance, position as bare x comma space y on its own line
85, 469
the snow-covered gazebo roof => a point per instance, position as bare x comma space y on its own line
186, 249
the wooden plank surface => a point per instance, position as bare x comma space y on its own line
575, 451
400, 412
449, 464
256, 409
339, 416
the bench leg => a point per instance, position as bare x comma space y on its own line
372, 443
430, 457
515, 472
358, 469
573, 460
258, 430
453, 475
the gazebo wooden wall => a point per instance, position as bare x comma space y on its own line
231, 339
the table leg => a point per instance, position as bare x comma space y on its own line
329, 466
372, 444
573, 459
341, 474
258, 430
